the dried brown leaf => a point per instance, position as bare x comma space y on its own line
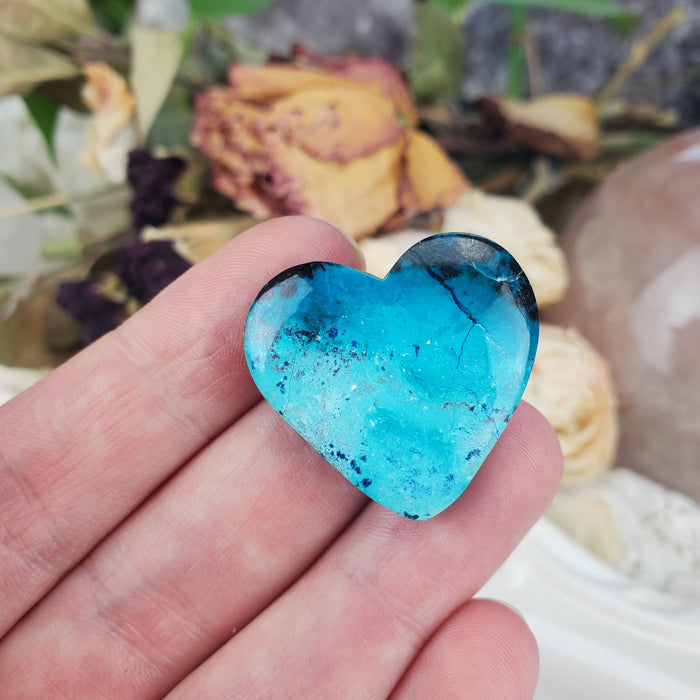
560, 124
195, 240
22, 66
45, 20
25, 336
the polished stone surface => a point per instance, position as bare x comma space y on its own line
403, 384
634, 253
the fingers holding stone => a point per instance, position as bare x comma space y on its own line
82, 448
197, 562
483, 651
366, 608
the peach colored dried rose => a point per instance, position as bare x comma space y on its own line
332, 140
113, 132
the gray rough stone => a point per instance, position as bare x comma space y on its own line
580, 54
577, 53
367, 27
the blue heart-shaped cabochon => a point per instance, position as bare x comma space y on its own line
405, 383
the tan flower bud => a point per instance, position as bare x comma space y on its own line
514, 224
571, 386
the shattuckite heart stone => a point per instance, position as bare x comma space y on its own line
405, 383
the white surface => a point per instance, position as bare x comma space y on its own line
14, 380
600, 635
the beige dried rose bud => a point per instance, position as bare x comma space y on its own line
514, 224
381, 252
571, 386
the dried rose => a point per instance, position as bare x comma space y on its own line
571, 386
514, 224
509, 221
284, 139
561, 124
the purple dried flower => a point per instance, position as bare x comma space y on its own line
85, 301
144, 268
152, 180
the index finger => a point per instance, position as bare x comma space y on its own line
81, 449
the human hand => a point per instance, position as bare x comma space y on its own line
163, 529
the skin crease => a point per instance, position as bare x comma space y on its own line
161, 529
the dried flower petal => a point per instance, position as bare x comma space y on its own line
255, 83
286, 139
357, 197
120, 282
195, 240
369, 71
145, 268
326, 123
560, 124
114, 132
514, 224
152, 180
571, 386
431, 180
84, 301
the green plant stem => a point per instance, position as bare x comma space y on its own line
516, 52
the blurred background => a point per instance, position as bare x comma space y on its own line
138, 137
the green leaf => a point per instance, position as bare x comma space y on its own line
438, 54
156, 57
172, 124
516, 52
24, 191
451, 5
620, 17
43, 112
205, 9
113, 15
22, 66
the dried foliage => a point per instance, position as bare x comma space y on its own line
287, 139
